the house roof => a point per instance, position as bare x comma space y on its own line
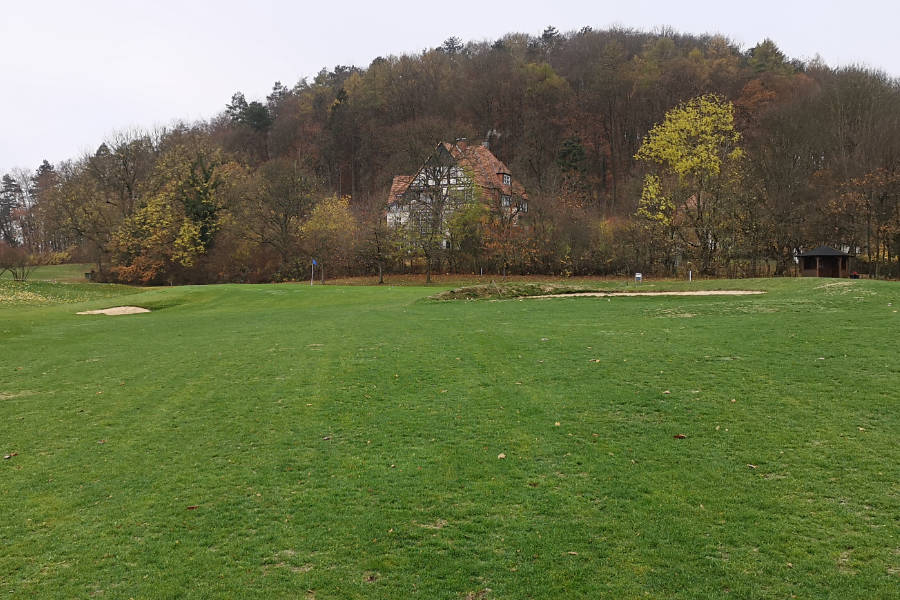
823, 251
399, 185
487, 169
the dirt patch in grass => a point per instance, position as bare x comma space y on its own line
11, 395
439, 524
116, 310
493, 291
691, 293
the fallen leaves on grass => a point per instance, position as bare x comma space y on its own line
752, 466
193, 507
10, 455
501, 456
679, 436
666, 392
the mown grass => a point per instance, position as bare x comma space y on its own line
55, 284
69, 273
336, 442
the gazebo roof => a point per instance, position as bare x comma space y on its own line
823, 251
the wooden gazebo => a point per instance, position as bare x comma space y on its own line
824, 261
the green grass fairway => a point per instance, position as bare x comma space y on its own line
66, 273
328, 442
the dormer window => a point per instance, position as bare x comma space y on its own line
507, 180
504, 201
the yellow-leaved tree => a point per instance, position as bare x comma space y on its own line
176, 223
690, 195
329, 233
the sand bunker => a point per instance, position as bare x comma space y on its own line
693, 293
116, 310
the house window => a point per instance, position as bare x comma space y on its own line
504, 201
522, 206
507, 180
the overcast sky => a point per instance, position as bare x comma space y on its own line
73, 72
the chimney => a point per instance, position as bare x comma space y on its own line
487, 138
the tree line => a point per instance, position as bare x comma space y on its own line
655, 152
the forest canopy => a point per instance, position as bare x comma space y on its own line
655, 152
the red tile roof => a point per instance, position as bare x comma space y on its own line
487, 169
399, 185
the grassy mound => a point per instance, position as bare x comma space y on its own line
38, 293
500, 291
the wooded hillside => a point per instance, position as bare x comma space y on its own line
652, 152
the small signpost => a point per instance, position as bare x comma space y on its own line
638, 277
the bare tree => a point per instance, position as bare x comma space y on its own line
435, 193
16, 260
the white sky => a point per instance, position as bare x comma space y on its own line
73, 72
